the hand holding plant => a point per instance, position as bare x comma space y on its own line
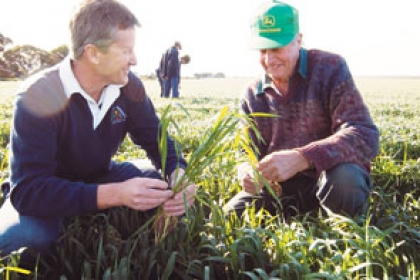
219, 138
252, 182
213, 145
249, 172
184, 194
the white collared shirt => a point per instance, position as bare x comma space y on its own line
72, 86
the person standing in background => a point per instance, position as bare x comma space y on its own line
170, 71
185, 59
159, 72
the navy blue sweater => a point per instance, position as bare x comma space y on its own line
171, 63
56, 155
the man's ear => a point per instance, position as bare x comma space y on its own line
92, 53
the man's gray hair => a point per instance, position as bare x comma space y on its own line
96, 22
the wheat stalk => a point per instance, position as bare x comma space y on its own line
216, 140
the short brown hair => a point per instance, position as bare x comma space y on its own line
96, 22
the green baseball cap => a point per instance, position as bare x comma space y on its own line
274, 25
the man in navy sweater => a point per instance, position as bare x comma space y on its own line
69, 122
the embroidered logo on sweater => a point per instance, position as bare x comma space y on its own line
117, 115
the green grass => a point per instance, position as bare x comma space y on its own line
385, 245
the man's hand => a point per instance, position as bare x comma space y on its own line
175, 177
175, 205
245, 176
282, 165
136, 193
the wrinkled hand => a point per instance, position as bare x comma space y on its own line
245, 176
143, 193
282, 165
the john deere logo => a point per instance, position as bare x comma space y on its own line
268, 25
268, 21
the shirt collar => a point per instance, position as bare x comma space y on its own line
69, 81
303, 63
72, 86
266, 81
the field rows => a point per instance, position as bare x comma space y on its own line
385, 245
376, 90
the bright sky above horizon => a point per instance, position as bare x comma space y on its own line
376, 37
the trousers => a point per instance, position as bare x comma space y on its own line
39, 233
344, 189
171, 84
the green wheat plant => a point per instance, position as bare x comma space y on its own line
215, 143
221, 137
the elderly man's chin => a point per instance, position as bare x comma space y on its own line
277, 75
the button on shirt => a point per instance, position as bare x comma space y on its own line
72, 86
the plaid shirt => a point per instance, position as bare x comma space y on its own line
323, 116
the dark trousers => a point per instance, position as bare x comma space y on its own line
171, 84
160, 80
39, 233
344, 190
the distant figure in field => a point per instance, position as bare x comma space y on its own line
68, 124
159, 73
185, 59
317, 148
170, 71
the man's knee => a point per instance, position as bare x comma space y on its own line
43, 234
243, 200
345, 189
29, 232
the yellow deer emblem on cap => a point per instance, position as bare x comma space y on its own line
268, 21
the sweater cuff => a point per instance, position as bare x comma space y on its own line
89, 199
314, 155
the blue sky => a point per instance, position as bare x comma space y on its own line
375, 37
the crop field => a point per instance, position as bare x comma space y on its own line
208, 245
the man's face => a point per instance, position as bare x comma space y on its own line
280, 63
114, 63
